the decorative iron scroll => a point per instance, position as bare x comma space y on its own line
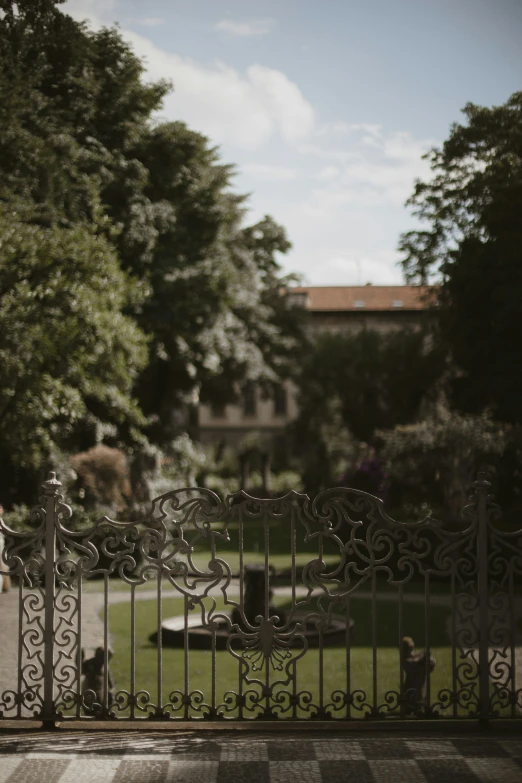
23, 560
504, 615
354, 550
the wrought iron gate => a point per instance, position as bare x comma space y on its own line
282, 608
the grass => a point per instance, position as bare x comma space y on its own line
278, 533
334, 662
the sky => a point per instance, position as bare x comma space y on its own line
325, 106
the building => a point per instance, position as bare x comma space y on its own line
383, 308
345, 309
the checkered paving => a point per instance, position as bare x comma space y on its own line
155, 757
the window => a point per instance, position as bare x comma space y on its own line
249, 400
358, 303
298, 298
398, 303
218, 411
280, 402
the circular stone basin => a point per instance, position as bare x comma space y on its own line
200, 638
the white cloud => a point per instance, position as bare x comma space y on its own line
148, 21
374, 169
269, 173
328, 262
245, 29
97, 12
240, 108
345, 182
330, 153
346, 217
358, 266
245, 109
329, 172
342, 128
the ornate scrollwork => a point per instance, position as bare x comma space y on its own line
505, 615
22, 559
355, 552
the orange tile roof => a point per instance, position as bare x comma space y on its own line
364, 297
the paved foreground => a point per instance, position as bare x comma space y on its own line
215, 757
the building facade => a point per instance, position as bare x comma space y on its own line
334, 309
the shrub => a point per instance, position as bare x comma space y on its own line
103, 475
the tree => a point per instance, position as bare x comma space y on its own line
473, 244
67, 352
80, 147
354, 384
434, 461
216, 313
82, 118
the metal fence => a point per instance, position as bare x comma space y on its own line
262, 609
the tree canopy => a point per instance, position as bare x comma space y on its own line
68, 353
153, 292
472, 244
354, 384
437, 458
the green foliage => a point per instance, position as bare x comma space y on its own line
66, 348
280, 483
126, 227
481, 322
353, 384
216, 311
437, 459
80, 141
72, 103
473, 240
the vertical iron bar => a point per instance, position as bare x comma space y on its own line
293, 551
453, 643
241, 563
106, 642
374, 640
240, 688
482, 487
294, 689
133, 650
213, 659
51, 490
186, 659
321, 641
79, 642
20, 647
321, 668
267, 602
348, 660
512, 641
241, 605
267, 563
401, 657
160, 643
267, 684
294, 580
427, 654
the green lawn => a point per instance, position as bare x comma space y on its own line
278, 534
334, 661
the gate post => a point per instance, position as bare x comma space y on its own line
482, 487
51, 489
